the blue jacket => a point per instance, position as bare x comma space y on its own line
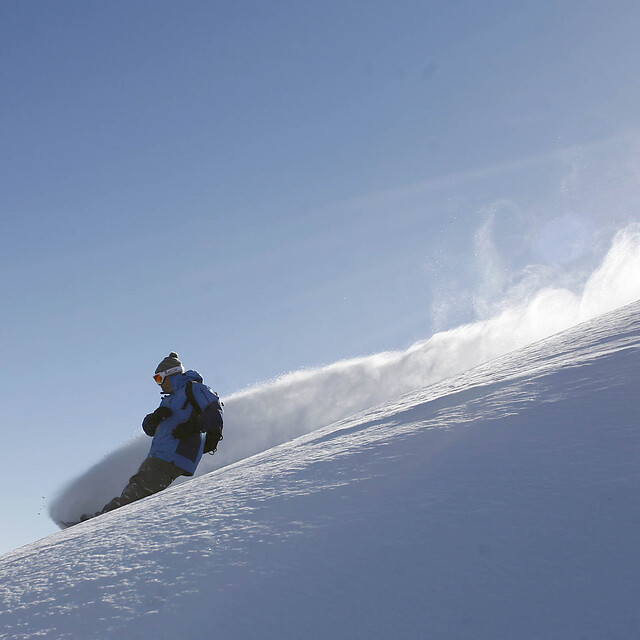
185, 453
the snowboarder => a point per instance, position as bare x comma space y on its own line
187, 424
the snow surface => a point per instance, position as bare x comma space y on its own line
499, 503
299, 403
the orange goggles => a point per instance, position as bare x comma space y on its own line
160, 377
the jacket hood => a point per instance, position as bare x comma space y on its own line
179, 380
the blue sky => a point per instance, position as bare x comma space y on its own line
264, 186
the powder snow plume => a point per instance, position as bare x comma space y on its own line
275, 412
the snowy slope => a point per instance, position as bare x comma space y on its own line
500, 503
271, 414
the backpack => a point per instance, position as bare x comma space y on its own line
212, 437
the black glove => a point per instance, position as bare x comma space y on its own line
185, 429
152, 420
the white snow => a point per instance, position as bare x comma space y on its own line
441, 499
267, 415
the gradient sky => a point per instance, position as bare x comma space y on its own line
263, 186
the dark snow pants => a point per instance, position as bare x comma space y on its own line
153, 475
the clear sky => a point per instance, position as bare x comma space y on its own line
264, 186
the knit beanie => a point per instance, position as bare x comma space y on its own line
170, 362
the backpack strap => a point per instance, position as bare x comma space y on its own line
191, 399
